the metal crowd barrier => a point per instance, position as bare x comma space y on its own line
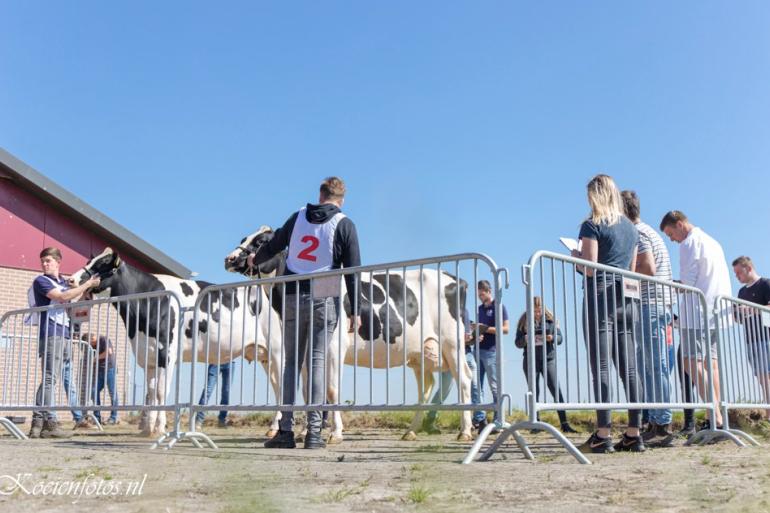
743, 330
406, 317
614, 326
60, 346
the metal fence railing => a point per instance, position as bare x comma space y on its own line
615, 327
743, 332
55, 356
408, 320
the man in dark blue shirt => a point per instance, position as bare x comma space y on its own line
53, 338
488, 347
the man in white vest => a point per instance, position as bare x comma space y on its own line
53, 337
319, 238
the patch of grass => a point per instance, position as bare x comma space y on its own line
430, 448
345, 492
94, 471
418, 494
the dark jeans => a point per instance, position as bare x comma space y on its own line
549, 376
298, 334
211, 382
52, 349
105, 377
608, 329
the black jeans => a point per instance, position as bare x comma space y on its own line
608, 329
550, 377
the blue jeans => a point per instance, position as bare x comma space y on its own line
107, 378
446, 385
211, 382
654, 355
488, 367
72, 394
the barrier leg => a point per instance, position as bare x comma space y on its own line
514, 430
12, 429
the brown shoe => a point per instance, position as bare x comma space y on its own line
37, 427
51, 429
83, 424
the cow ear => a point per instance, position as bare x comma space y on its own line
116, 259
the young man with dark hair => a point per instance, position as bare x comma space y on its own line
702, 265
488, 347
53, 337
756, 289
652, 351
319, 238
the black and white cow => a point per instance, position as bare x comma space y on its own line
228, 321
393, 298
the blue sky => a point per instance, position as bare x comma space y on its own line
458, 126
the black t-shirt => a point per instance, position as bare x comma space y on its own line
758, 293
616, 243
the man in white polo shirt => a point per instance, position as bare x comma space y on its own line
702, 265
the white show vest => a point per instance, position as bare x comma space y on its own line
59, 316
311, 248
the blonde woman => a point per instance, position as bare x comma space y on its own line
547, 337
609, 238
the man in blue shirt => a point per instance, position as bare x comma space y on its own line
488, 347
53, 338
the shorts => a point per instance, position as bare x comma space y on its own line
693, 344
759, 356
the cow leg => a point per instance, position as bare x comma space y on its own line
150, 400
160, 401
424, 394
332, 394
274, 374
304, 386
463, 380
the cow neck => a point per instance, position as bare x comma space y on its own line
129, 280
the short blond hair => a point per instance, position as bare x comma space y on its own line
605, 201
332, 188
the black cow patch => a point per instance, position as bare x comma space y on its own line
229, 299
376, 292
186, 289
396, 292
203, 327
370, 328
451, 294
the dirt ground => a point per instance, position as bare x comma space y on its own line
373, 470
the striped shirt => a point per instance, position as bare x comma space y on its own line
650, 240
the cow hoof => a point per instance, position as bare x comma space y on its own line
271, 433
300, 438
411, 436
464, 437
146, 433
334, 440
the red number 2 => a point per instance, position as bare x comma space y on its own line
307, 253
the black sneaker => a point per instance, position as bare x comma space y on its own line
314, 441
598, 445
566, 428
686, 432
479, 426
664, 437
282, 440
706, 424
630, 444
649, 431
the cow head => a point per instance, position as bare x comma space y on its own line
104, 265
236, 262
